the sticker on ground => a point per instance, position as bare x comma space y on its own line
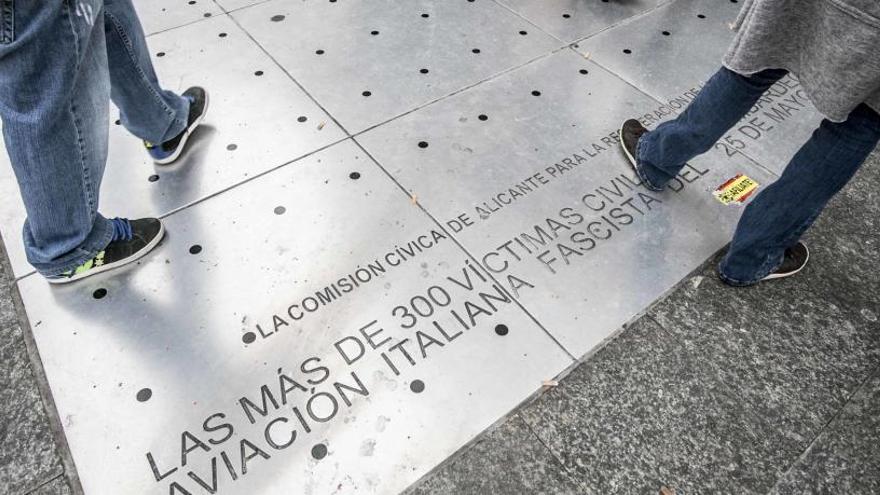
736, 190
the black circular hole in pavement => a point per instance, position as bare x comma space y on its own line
207, 14
222, 35
367, 93
354, 175
144, 394
523, 33
249, 337
374, 33
627, 51
501, 329
279, 210
567, 16
99, 293
483, 117
117, 122
701, 16
417, 386
153, 178
423, 144
584, 71
426, 15
195, 249
191, 2
231, 146
536, 93
476, 50
258, 73
665, 33
160, 54
424, 71
319, 52
319, 451
277, 18
302, 118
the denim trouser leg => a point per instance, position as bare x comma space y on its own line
56, 68
722, 102
54, 102
780, 214
146, 110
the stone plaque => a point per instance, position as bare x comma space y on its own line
312, 331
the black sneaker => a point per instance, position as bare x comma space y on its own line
131, 241
794, 260
630, 133
167, 152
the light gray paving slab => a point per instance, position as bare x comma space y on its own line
161, 15
540, 193
672, 67
421, 50
845, 458
642, 415
322, 272
570, 20
254, 123
509, 459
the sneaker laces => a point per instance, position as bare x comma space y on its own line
121, 229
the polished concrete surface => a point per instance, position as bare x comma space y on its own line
400, 222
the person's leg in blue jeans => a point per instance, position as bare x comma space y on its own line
725, 99
54, 101
779, 215
60, 63
146, 110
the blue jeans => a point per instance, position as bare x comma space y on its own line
778, 216
61, 62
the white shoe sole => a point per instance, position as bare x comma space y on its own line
774, 276
103, 268
632, 159
189, 130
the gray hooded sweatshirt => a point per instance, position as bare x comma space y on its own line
832, 46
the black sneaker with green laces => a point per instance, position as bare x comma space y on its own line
167, 152
132, 240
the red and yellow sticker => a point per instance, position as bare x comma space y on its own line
736, 190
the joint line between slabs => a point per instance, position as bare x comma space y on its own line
570, 476
468, 254
288, 74
521, 16
172, 28
59, 476
463, 89
625, 21
801, 456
